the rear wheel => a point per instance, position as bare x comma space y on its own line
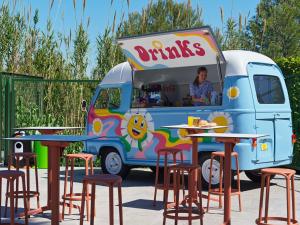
112, 163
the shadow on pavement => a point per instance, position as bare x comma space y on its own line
144, 204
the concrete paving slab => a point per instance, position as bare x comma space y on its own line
138, 195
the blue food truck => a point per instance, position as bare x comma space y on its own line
152, 89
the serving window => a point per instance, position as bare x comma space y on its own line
171, 87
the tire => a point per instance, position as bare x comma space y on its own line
255, 175
204, 161
112, 163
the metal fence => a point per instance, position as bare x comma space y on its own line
34, 101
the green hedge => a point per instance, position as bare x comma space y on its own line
291, 69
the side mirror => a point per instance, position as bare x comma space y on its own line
83, 105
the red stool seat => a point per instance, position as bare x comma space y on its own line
165, 152
183, 213
15, 161
103, 179
278, 171
11, 176
108, 180
72, 196
219, 191
289, 175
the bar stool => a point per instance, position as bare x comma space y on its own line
71, 196
15, 160
288, 174
11, 177
219, 191
173, 213
110, 181
173, 152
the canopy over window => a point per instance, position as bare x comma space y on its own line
181, 48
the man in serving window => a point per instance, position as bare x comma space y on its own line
201, 89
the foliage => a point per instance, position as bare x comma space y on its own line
275, 29
291, 68
79, 57
162, 15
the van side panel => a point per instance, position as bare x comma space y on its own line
238, 102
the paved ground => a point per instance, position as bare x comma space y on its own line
138, 209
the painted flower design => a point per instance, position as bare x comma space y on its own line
136, 129
182, 134
97, 126
222, 119
233, 93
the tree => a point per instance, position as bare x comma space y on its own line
80, 54
162, 15
275, 29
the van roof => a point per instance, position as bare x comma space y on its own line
236, 64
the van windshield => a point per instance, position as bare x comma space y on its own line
268, 89
174, 87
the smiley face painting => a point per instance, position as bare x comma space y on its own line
136, 129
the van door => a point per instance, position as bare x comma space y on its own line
273, 112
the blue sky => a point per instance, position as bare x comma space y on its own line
101, 13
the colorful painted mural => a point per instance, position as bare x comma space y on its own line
137, 133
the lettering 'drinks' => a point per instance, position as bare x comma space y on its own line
181, 49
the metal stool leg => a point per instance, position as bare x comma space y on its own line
0, 199
12, 210
293, 197
288, 199
221, 182
120, 204
111, 205
87, 192
209, 183
238, 182
190, 202
26, 200
65, 188
93, 194
71, 185
267, 198
17, 184
166, 196
261, 199
82, 202
156, 179
10, 164
200, 196
176, 190
27, 176
37, 183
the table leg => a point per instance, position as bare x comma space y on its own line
54, 153
49, 178
227, 182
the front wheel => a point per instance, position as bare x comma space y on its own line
255, 175
112, 163
204, 162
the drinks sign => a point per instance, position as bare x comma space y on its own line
194, 47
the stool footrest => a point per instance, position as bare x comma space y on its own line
19, 194
170, 214
75, 197
217, 192
275, 218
